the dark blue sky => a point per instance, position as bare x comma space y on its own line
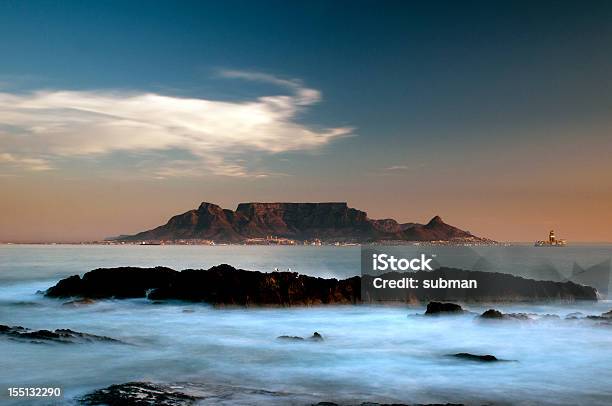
450, 94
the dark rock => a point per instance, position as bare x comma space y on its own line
225, 285
149, 394
574, 316
316, 337
122, 282
62, 336
474, 357
290, 338
436, 308
138, 394
492, 314
221, 285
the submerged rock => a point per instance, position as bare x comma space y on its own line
436, 308
493, 314
607, 315
62, 336
314, 337
290, 338
79, 302
475, 357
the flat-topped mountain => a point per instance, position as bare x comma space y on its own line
298, 221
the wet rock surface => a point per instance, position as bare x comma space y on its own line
475, 357
138, 394
62, 336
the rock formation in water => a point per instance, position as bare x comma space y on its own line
182, 394
436, 308
493, 314
314, 337
138, 393
226, 285
297, 221
476, 357
63, 336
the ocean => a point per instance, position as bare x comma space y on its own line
369, 353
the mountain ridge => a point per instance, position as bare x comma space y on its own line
327, 221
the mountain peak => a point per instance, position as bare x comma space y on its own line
436, 220
206, 206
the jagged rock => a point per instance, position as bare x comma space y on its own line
222, 285
62, 336
138, 394
474, 357
225, 285
122, 282
436, 308
315, 337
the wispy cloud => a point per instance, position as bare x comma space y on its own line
397, 168
33, 164
216, 135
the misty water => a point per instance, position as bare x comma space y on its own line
370, 353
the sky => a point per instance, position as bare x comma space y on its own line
116, 115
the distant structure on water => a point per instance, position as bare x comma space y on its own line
551, 242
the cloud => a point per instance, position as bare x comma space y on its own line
34, 164
216, 136
397, 168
